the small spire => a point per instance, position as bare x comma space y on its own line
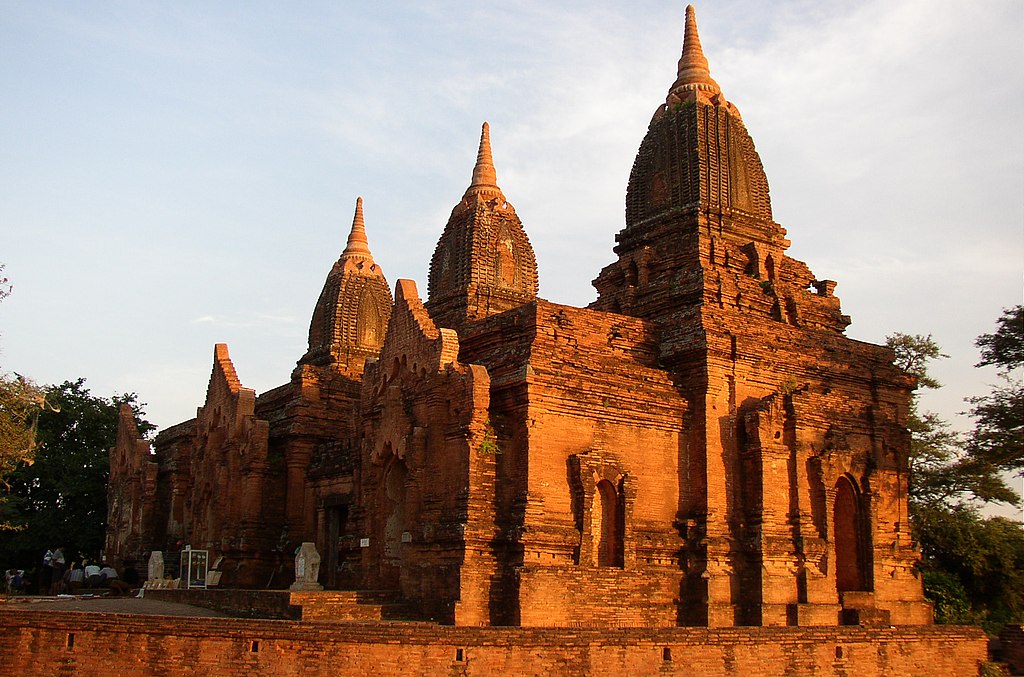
485, 180
693, 70
357, 243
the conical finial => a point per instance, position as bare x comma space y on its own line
485, 180
357, 243
693, 66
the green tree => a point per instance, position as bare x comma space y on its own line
997, 440
61, 499
942, 469
972, 567
21, 402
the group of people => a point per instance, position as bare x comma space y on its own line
72, 578
14, 581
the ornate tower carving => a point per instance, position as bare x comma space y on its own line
484, 263
755, 343
699, 228
351, 315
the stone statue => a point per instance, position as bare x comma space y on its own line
307, 568
156, 566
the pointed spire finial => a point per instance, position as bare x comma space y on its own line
357, 244
693, 72
485, 179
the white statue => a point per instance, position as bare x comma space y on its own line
307, 568
156, 566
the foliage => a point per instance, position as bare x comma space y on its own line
5, 284
21, 400
942, 468
972, 567
998, 436
1004, 348
489, 445
913, 353
61, 499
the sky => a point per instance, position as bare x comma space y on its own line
174, 175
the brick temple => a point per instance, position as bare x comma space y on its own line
701, 446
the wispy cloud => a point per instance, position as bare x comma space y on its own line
249, 321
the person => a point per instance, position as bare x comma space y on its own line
92, 575
58, 563
111, 581
46, 573
130, 575
73, 578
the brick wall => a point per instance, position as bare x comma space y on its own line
1011, 648
48, 643
234, 601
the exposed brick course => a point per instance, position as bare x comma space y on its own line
37, 643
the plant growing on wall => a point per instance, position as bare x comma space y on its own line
489, 445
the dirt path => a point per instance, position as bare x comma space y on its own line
110, 605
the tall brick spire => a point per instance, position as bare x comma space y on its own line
485, 179
357, 245
483, 263
351, 314
693, 72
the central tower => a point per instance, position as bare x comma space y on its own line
483, 264
786, 413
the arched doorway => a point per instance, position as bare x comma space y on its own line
608, 525
394, 526
849, 540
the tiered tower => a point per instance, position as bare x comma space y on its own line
795, 431
351, 315
483, 264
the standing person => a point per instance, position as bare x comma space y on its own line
46, 573
58, 563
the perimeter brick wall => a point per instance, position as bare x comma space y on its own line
49, 643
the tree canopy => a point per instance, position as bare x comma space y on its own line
972, 566
943, 469
997, 440
61, 498
20, 403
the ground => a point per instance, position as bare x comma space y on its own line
112, 605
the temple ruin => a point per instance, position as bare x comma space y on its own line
701, 446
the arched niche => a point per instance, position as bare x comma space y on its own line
607, 525
849, 537
394, 490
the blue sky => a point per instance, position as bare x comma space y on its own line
174, 175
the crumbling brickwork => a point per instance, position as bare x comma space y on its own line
701, 446
131, 489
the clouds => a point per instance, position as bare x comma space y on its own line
178, 176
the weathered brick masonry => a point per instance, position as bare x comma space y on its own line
48, 643
702, 446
